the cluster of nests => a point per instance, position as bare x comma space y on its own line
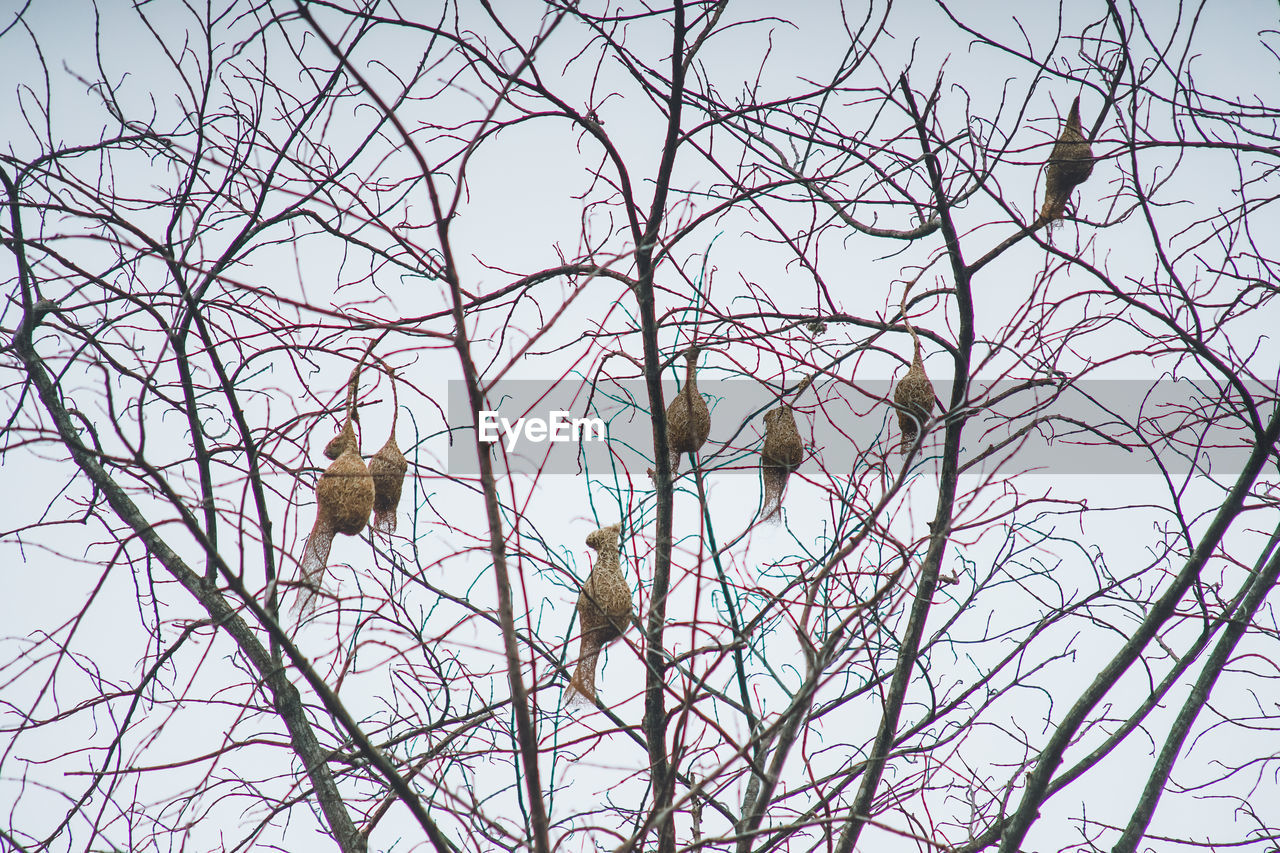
348, 493
1070, 164
689, 424
605, 606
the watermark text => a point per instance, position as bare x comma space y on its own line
560, 426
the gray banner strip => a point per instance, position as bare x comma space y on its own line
1089, 427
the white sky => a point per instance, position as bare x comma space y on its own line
522, 211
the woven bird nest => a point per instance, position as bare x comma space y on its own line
344, 494
604, 611
388, 468
780, 455
688, 418
914, 399
1070, 164
344, 501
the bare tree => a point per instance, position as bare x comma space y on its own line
1042, 620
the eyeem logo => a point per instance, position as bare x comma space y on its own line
559, 427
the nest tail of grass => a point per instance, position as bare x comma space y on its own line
315, 563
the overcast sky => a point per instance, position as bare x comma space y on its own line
530, 200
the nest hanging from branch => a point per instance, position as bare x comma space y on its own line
780, 455
344, 494
604, 611
914, 398
388, 468
688, 418
344, 500
1070, 164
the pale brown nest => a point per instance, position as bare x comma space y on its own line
604, 611
914, 399
1070, 164
344, 501
388, 468
688, 418
344, 494
780, 455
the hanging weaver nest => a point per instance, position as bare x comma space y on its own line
913, 397
388, 467
344, 500
604, 611
1070, 165
780, 455
688, 418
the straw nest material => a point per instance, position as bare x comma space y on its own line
914, 399
345, 436
344, 501
688, 418
604, 611
344, 495
1070, 165
781, 454
388, 467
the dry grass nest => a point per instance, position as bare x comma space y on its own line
605, 609
780, 455
688, 418
1070, 164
